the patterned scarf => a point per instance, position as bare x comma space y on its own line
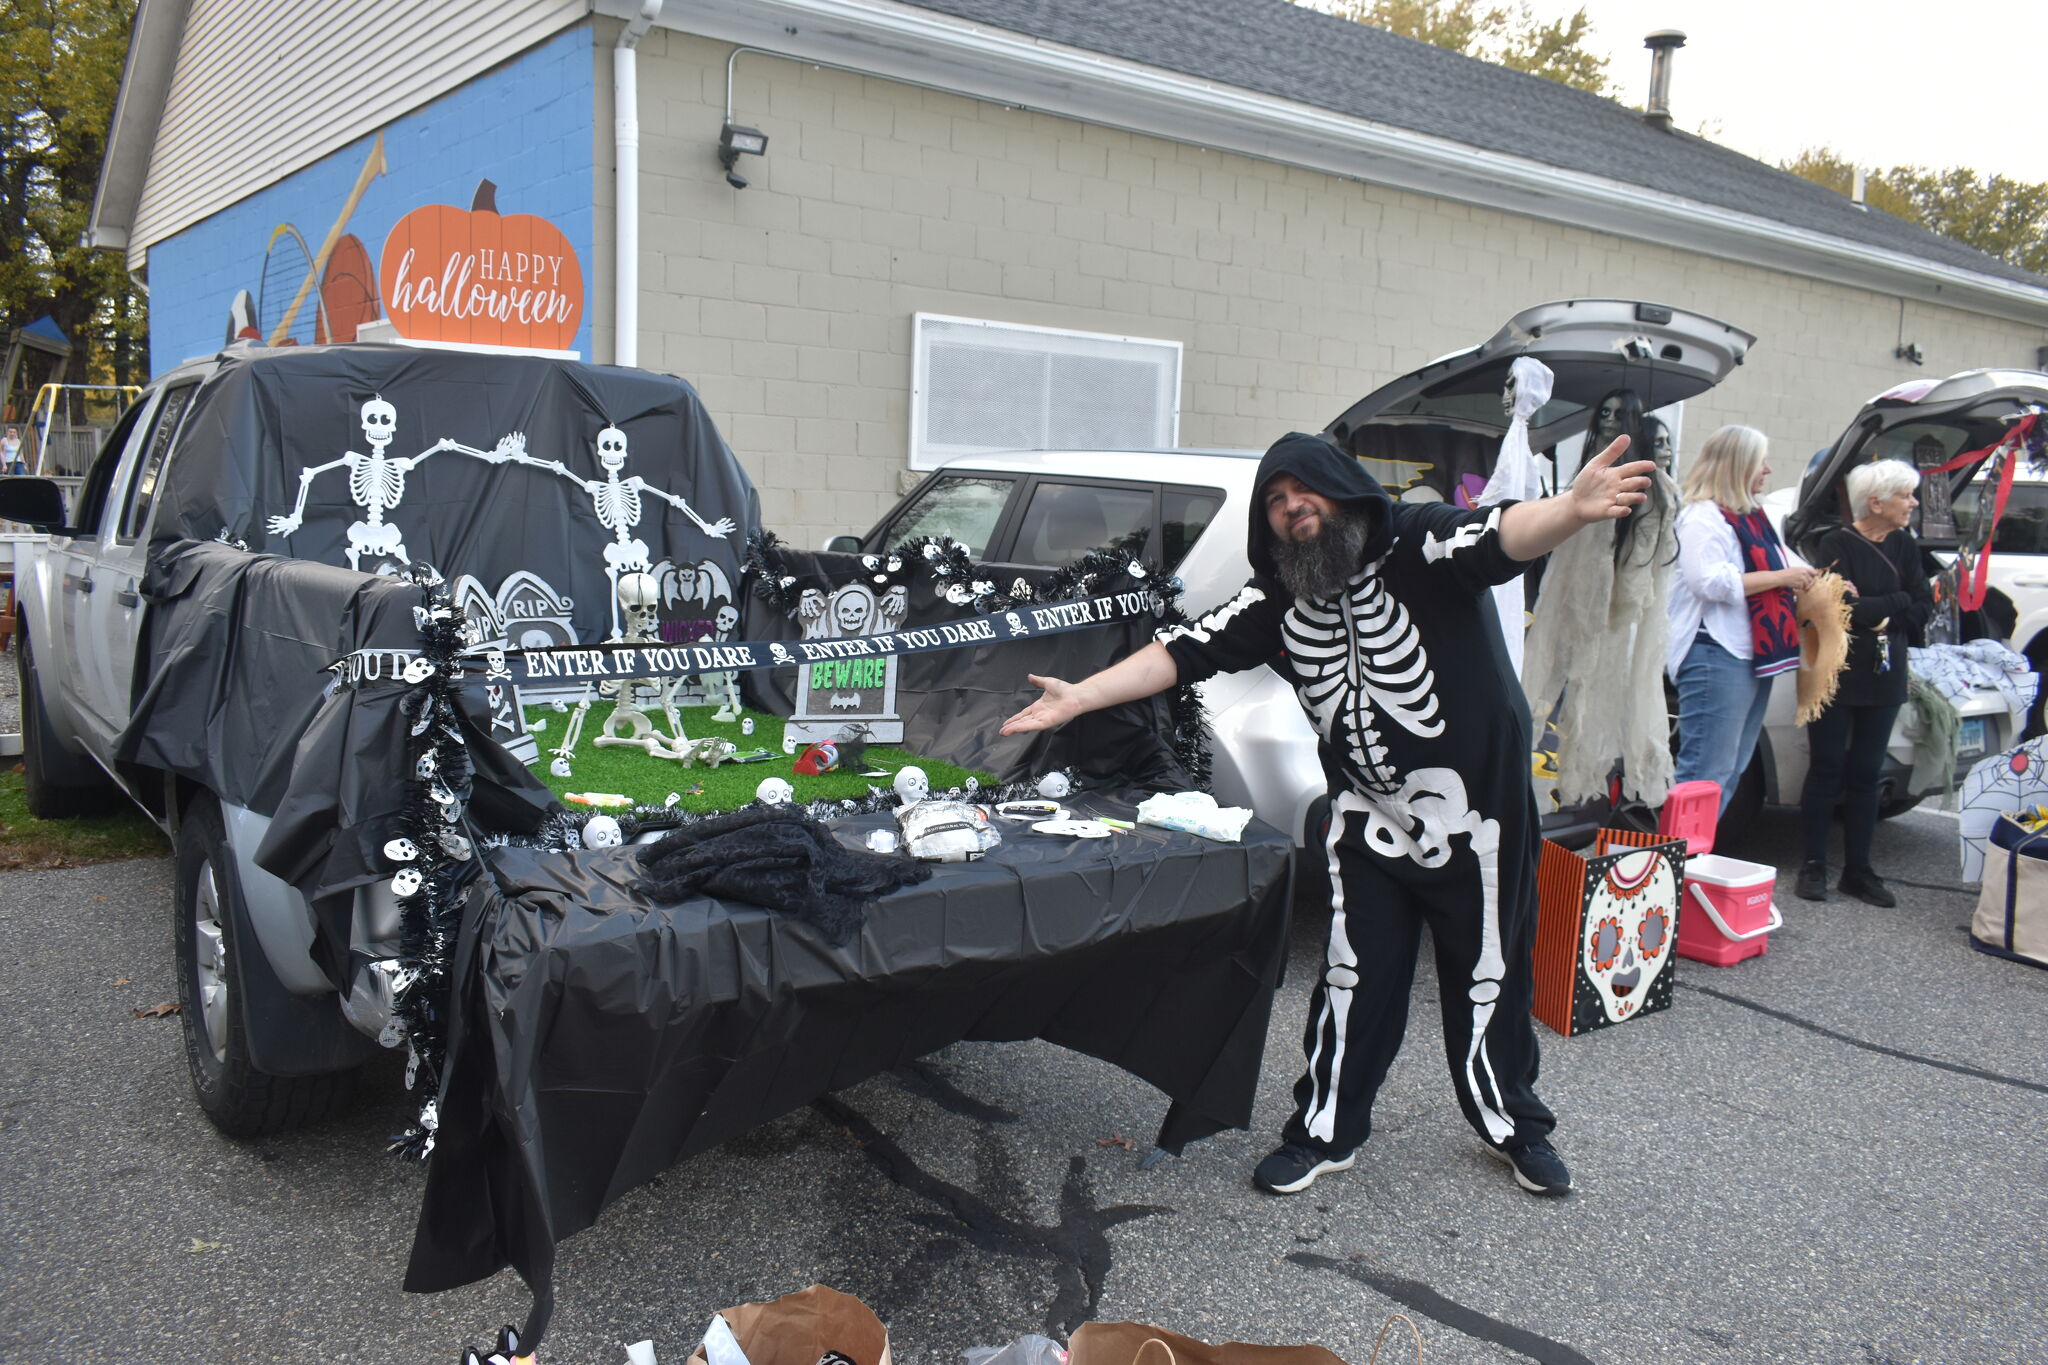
1773, 624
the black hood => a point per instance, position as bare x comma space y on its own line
1317, 462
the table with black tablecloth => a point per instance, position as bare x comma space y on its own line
598, 1038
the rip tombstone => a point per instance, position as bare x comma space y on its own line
834, 692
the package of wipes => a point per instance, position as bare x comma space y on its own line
1194, 813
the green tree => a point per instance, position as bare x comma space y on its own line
60, 69
1512, 37
1998, 215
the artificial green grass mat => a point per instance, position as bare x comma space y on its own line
646, 780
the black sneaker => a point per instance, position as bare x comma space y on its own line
1293, 1168
1869, 888
1537, 1166
1813, 882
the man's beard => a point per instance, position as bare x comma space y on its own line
1321, 567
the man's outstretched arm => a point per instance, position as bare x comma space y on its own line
1141, 674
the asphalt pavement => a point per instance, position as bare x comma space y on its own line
1835, 1153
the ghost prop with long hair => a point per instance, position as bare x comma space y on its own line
1516, 478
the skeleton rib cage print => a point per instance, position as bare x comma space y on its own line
1361, 660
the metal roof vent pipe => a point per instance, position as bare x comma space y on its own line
1662, 43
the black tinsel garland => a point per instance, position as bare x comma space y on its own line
967, 584
433, 859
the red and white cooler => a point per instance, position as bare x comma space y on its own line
1728, 913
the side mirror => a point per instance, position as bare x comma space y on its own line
845, 545
33, 502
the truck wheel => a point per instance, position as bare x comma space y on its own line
56, 784
241, 1100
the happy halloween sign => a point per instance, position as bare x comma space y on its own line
628, 661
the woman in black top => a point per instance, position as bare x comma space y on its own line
1891, 606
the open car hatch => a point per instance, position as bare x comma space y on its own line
1445, 421
1925, 423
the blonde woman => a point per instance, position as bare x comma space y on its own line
1732, 625
1846, 743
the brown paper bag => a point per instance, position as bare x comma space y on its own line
1131, 1343
798, 1328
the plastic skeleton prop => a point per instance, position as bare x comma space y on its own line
617, 502
628, 725
376, 483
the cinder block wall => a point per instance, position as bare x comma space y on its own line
789, 303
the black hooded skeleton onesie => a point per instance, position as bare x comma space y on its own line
1424, 738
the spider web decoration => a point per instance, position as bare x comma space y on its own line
965, 584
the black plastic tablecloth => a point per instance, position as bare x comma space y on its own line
600, 1039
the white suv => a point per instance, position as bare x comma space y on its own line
1429, 435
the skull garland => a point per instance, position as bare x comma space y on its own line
1629, 930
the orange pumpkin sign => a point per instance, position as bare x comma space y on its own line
480, 278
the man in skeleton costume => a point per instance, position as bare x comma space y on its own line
1385, 617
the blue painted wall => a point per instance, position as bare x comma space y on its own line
526, 126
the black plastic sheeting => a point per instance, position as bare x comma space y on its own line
270, 415
954, 701
600, 1039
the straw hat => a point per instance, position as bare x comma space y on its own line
1823, 612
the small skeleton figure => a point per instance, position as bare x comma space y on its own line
376, 483
574, 732
724, 686
616, 502
911, 784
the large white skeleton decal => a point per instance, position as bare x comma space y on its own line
617, 502
376, 483
1418, 822
1359, 658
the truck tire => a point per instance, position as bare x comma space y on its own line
56, 783
1897, 806
241, 1100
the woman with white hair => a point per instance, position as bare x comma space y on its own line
1846, 743
1732, 624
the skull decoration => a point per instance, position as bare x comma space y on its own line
560, 767
746, 725
611, 449
959, 594
911, 785
419, 670
1628, 930
727, 617
774, 791
401, 850
971, 786
494, 661
853, 606
427, 766
406, 881
781, 655
1015, 623
788, 743
1054, 786
640, 595
602, 831
455, 845
380, 421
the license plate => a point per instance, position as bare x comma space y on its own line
1970, 739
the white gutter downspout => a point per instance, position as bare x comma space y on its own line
626, 219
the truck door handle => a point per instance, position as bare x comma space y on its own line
2029, 581
82, 582
128, 597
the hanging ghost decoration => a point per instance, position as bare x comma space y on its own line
1516, 478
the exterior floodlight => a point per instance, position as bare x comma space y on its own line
735, 142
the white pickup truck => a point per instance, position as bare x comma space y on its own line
185, 674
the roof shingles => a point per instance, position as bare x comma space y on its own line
1282, 49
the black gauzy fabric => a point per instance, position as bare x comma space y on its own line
1327, 470
780, 858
